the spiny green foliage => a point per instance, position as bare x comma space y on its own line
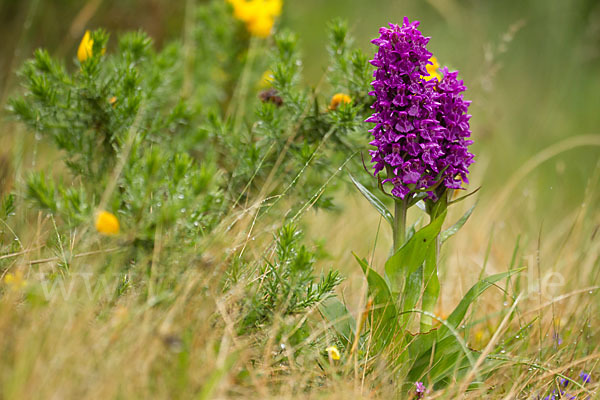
122, 106
175, 142
287, 285
272, 154
350, 71
187, 157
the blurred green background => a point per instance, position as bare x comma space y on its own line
532, 68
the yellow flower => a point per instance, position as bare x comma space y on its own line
244, 10
85, 47
261, 26
479, 336
107, 223
333, 353
258, 15
339, 98
15, 281
273, 7
432, 69
266, 80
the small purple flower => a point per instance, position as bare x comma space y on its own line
561, 395
420, 390
421, 125
564, 382
557, 337
586, 378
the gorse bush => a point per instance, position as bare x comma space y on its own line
120, 111
185, 157
287, 289
169, 151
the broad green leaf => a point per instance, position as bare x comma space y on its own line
420, 343
446, 365
445, 235
410, 256
335, 312
476, 290
431, 289
440, 360
436, 208
411, 293
410, 232
385, 313
379, 206
423, 359
443, 363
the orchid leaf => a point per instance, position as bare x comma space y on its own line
385, 314
431, 289
336, 313
445, 235
476, 290
466, 196
410, 256
375, 202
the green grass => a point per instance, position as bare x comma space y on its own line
162, 310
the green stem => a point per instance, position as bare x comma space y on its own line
400, 208
238, 101
431, 283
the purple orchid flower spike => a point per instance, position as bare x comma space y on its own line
421, 123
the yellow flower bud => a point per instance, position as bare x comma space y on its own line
273, 7
261, 26
15, 281
333, 353
258, 15
266, 80
241, 9
85, 47
107, 223
339, 98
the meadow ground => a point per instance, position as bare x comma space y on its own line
175, 305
